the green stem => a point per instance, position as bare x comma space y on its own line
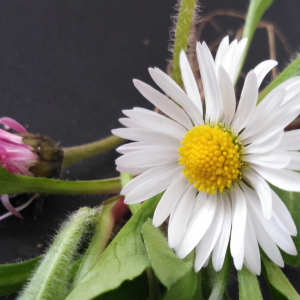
153, 284
24, 184
256, 9
125, 178
182, 33
76, 154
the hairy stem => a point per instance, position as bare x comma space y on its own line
76, 154
182, 33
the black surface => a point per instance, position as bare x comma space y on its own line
66, 70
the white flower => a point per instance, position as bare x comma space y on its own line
214, 166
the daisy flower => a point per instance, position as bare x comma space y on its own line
215, 164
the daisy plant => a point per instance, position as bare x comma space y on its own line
211, 181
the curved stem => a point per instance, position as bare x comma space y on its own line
76, 154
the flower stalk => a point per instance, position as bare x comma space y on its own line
76, 154
182, 32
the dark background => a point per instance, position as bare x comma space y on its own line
66, 70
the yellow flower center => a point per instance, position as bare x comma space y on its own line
211, 158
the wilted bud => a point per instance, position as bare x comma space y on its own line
27, 154
49, 155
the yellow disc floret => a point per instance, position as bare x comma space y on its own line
211, 158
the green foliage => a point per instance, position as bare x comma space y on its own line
50, 280
14, 276
248, 285
279, 285
178, 276
124, 259
292, 202
292, 70
182, 33
256, 10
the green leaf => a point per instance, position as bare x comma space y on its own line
50, 280
198, 292
279, 285
177, 275
14, 184
14, 276
219, 287
248, 285
256, 9
292, 202
292, 70
124, 259
136, 289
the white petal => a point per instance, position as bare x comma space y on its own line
239, 216
264, 143
200, 200
266, 242
294, 160
189, 81
169, 200
180, 216
207, 243
222, 50
136, 146
252, 256
197, 227
263, 190
223, 239
153, 186
154, 121
228, 96
247, 103
238, 55
148, 175
280, 237
147, 158
170, 87
210, 83
272, 159
282, 215
228, 62
131, 170
147, 136
262, 69
238, 259
284, 179
290, 140
207, 262
163, 103
260, 117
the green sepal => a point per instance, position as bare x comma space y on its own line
124, 259
14, 276
178, 276
248, 285
279, 285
